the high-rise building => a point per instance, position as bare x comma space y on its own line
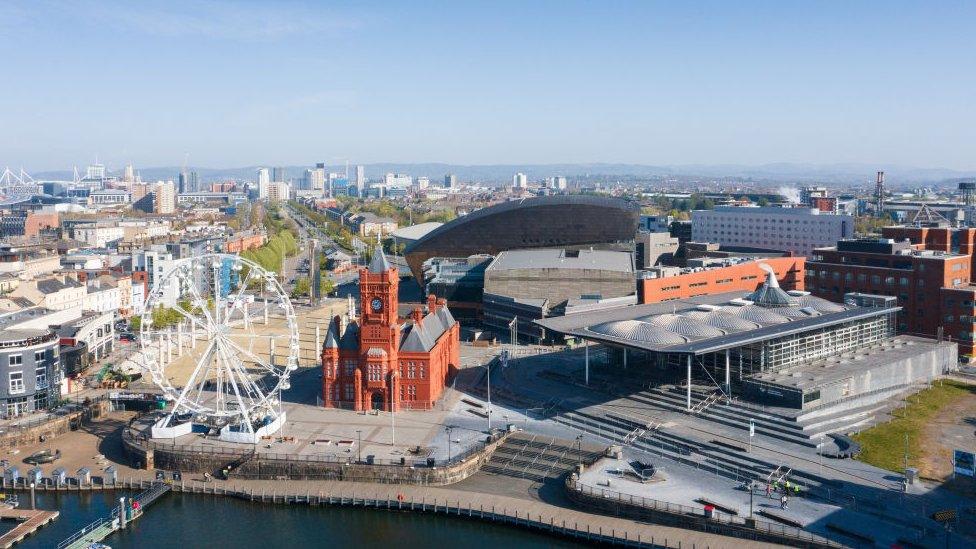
423, 182
519, 181
264, 178
278, 191
188, 182
164, 197
278, 174
397, 181
360, 179
450, 181
315, 179
129, 175
559, 183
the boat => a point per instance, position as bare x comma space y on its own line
43, 456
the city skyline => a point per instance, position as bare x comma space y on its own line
641, 83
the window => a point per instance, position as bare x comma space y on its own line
16, 382
903, 281
15, 360
41, 378
349, 395
875, 279
39, 357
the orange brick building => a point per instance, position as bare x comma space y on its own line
380, 364
743, 277
39, 221
239, 243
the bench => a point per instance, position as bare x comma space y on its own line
780, 518
723, 508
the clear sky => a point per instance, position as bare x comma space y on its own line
236, 84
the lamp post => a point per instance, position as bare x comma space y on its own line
579, 450
488, 368
32, 496
449, 428
359, 446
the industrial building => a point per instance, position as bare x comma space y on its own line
798, 230
933, 288
771, 348
533, 284
722, 275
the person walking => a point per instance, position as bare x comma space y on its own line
769, 490
784, 502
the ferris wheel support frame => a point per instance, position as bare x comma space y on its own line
254, 412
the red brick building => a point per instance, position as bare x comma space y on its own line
933, 287
378, 363
743, 277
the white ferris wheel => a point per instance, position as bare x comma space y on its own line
207, 343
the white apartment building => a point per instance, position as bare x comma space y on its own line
98, 235
520, 181
156, 264
397, 181
797, 230
264, 178
102, 297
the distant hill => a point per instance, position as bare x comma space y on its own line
780, 172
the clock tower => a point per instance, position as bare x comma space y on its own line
374, 360
379, 332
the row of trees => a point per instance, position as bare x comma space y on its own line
281, 242
341, 235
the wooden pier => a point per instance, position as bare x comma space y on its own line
30, 521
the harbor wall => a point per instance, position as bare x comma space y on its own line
250, 466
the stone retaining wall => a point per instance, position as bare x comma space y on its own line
246, 467
611, 506
52, 427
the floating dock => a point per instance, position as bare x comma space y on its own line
117, 520
30, 521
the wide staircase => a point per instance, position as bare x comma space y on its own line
713, 455
536, 458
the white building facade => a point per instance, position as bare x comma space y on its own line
797, 230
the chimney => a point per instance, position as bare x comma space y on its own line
431, 303
417, 315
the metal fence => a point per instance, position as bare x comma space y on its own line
764, 527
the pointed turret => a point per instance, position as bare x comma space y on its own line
379, 263
770, 294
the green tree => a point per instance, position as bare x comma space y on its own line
302, 287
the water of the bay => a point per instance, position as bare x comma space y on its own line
189, 521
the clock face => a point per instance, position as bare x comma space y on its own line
376, 304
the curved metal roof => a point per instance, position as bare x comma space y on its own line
729, 323
756, 314
638, 331
683, 325
820, 304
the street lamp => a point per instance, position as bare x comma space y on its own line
359, 446
579, 450
449, 428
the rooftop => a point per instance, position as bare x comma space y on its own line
563, 259
707, 324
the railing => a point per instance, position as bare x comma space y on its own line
648, 504
83, 532
353, 458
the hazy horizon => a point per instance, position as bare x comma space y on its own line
649, 83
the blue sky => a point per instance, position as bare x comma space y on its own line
247, 83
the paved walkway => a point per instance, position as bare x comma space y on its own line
532, 509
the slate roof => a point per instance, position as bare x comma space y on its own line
379, 264
52, 285
422, 338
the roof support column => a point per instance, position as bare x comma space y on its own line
689, 383
625, 358
586, 360
728, 379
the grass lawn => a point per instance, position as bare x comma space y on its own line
884, 445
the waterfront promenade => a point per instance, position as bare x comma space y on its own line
530, 513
